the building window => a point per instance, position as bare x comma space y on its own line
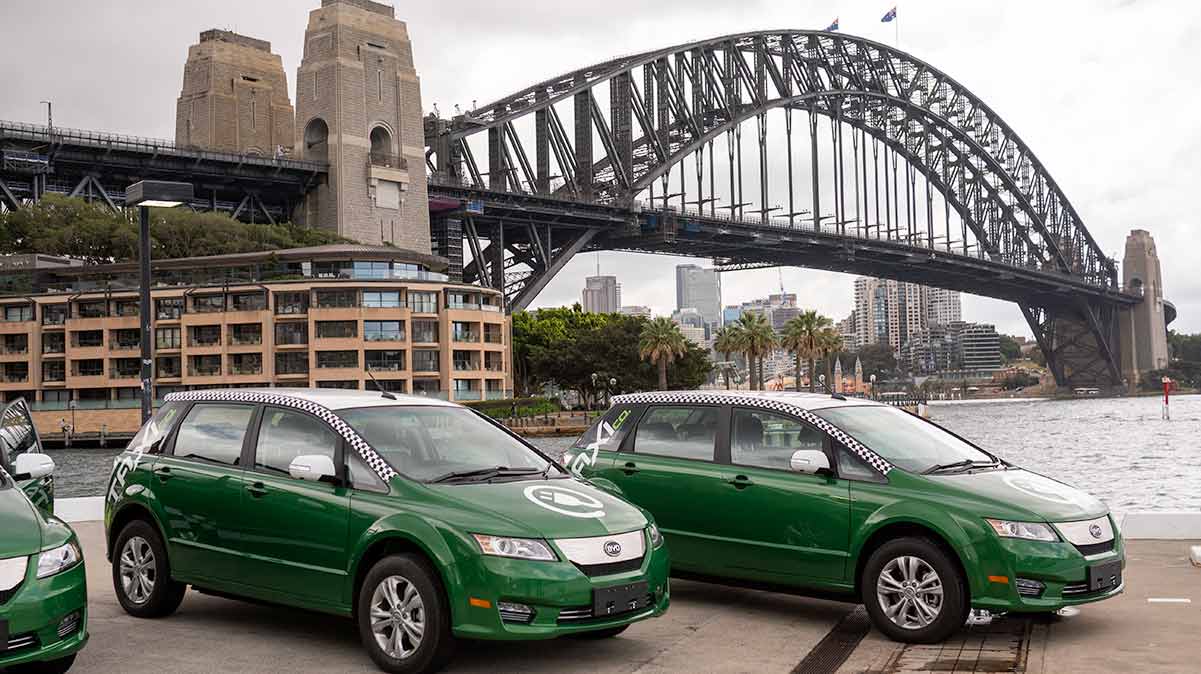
15, 344
291, 333
96, 309
166, 338
167, 367
291, 303
336, 299
125, 368
54, 342
387, 299
493, 333
168, 308
422, 302
204, 335
92, 367
425, 332
246, 333
494, 361
385, 361
204, 366
127, 307
337, 329
246, 363
17, 314
16, 373
384, 331
467, 389
348, 385
462, 331
54, 370
461, 300
425, 360
337, 359
208, 304
292, 363
466, 360
128, 393
426, 387
87, 338
391, 385
248, 302
372, 270
54, 314
126, 339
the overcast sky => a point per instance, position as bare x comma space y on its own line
1106, 92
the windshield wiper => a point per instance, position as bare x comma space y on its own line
960, 465
483, 473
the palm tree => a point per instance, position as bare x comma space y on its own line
661, 342
829, 342
794, 339
726, 342
807, 329
758, 339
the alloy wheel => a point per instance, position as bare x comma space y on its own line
397, 617
137, 570
910, 592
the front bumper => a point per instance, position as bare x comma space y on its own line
1060, 567
559, 593
36, 612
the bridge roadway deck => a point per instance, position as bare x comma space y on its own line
708, 629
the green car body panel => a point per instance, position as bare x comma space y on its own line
33, 609
814, 532
268, 536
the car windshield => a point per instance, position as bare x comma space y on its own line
445, 444
905, 440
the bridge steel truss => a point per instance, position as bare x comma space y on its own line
608, 139
36, 160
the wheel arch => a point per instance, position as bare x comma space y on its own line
908, 528
394, 542
128, 512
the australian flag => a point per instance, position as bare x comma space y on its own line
890, 16
833, 26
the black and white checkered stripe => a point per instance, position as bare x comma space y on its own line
764, 402
369, 455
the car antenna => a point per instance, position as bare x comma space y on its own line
821, 378
379, 388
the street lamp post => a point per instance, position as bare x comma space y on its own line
145, 195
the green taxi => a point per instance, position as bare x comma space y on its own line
43, 588
420, 519
833, 496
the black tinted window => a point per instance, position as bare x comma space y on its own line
214, 432
767, 440
682, 432
285, 435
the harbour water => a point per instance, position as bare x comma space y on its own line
1118, 449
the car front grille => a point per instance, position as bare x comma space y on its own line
581, 615
593, 570
1081, 591
21, 642
8, 594
1095, 548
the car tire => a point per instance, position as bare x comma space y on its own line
914, 591
141, 574
59, 666
602, 634
403, 616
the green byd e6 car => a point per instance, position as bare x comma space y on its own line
43, 589
422, 520
821, 494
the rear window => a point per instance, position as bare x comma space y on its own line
156, 429
214, 432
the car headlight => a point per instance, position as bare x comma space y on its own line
517, 548
57, 560
1031, 531
656, 536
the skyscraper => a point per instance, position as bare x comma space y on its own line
943, 307
602, 295
699, 288
894, 312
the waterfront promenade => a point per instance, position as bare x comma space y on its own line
708, 629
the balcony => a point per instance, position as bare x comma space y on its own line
252, 368
467, 395
125, 373
466, 336
204, 371
126, 345
245, 340
388, 161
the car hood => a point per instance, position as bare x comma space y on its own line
1038, 495
20, 524
562, 508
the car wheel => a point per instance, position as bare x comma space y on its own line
404, 620
602, 634
59, 666
141, 575
914, 592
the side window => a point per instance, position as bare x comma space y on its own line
214, 432
766, 440
156, 429
851, 467
681, 432
285, 435
361, 476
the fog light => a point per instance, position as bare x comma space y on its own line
69, 625
1029, 588
511, 612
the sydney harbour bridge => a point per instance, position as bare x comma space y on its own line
798, 148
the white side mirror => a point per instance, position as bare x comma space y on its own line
313, 467
33, 466
809, 461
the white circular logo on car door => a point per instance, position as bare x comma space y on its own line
565, 501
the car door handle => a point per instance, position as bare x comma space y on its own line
163, 473
740, 482
257, 489
630, 468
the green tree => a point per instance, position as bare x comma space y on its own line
661, 343
757, 339
805, 334
726, 342
828, 343
1011, 350
1184, 347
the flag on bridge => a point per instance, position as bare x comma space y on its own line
890, 16
833, 26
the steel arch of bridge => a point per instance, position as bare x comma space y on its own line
692, 94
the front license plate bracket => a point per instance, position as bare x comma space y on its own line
618, 599
1104, 576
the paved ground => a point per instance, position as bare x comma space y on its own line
708, 629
